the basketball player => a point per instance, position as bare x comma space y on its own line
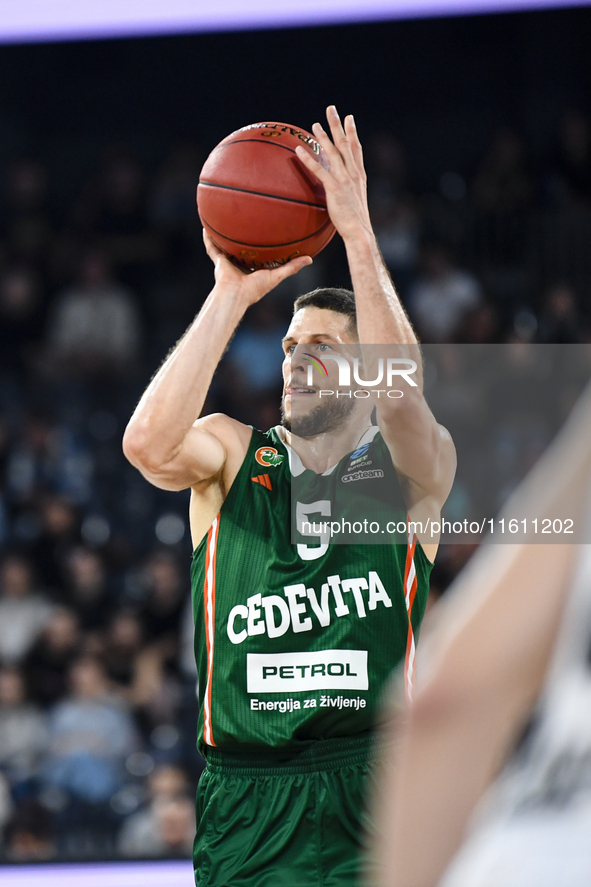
294, 641
504, 693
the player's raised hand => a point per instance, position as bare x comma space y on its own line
345, 181
251, 286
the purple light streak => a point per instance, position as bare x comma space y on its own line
40, 20
110, 874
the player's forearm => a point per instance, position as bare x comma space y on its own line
428, 794
175, 397
381, 318
427, 800
471, 705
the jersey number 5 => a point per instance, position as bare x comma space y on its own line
309, 527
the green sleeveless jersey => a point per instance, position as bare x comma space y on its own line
294, 640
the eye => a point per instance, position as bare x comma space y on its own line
324, 347
291, 349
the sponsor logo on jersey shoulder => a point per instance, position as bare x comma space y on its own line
359, 463
362, 475
268, 457
358, 456
320, 670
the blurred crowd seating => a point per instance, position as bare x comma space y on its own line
97, 282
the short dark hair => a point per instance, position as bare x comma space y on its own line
335, 298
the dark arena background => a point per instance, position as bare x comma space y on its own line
477, 137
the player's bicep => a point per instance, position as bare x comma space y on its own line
422, 451
200, 457
495, 634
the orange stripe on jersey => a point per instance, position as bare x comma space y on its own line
410, 590
209, 601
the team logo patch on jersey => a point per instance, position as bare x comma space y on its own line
268, 457
360, 452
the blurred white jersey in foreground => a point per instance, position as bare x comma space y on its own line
534, 827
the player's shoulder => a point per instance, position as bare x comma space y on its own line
226, 429
233, 436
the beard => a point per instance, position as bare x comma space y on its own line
323, 419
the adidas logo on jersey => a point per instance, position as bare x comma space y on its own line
264, 480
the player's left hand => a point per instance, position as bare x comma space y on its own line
345, 181
249, 287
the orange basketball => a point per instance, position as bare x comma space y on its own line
258, 203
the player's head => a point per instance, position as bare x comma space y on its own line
332, 298
324, 321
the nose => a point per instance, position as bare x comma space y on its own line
297, 358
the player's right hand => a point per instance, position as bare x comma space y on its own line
249, 286
344, 178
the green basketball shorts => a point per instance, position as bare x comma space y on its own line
277, 821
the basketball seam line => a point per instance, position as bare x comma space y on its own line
262, 194
266, 245
259, 142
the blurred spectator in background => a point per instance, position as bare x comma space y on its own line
254, 354
186, 657
122, 644
572, 164
155, 692
112, 210
59, 531
48, 663
147, 832
172, 199
47, 455
23, 728
86, 587
394, 210
94, 328
503, 181
21, 317
442, 296
560, 320
251, 373
167, 593
30, 456
28, 836
176, 819
397, 231
6, 807
387, 168
27, 218
503, 191
24, 611
480, 326
90, 735
5, 527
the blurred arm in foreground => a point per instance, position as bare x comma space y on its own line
480, 673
